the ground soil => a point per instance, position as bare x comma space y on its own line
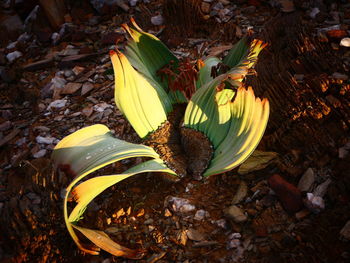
308, 127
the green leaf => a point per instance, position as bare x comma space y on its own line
102, 240
244, 54
88, 190
204, 74
145, 106
94, 147
148, 54
234, 121
85, 192
87, 150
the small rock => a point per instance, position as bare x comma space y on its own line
345, 231
236, 214
345, 42
71, 88
307, 180
221, 223
289, 195
195, 235
87, 111
314, 12
133, 2
322, 188
40, 153
201, 214
57, 104
13, 56
101, 107
157, 20
234, 240
178, 204
314, 203
77, 70
87, 87
45, 140
241, 193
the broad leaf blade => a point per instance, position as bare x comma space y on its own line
102, 240
204, 74
244, 53
148, 55
234, 121
249, 118
85, 192
94, 147
144, 106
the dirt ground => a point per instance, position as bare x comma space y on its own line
240, 216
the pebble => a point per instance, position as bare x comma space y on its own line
178, 204
345, 231
307, 180
71, 88
45, 140
57, 104
314, 203
235, 213
195, 235
40, 153
13, 56
322, 188
201, 214
345, 42
157, 20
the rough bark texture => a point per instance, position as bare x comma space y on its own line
184, 150
311, 114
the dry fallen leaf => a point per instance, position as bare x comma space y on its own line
257, 161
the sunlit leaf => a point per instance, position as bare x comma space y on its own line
92, 148
244, 54
234, 121
144, 105
148, 55
86, 151
88, 190
103, 241
85, 192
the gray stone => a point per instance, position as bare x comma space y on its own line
235, 213
307, 180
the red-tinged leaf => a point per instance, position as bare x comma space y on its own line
102, 240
